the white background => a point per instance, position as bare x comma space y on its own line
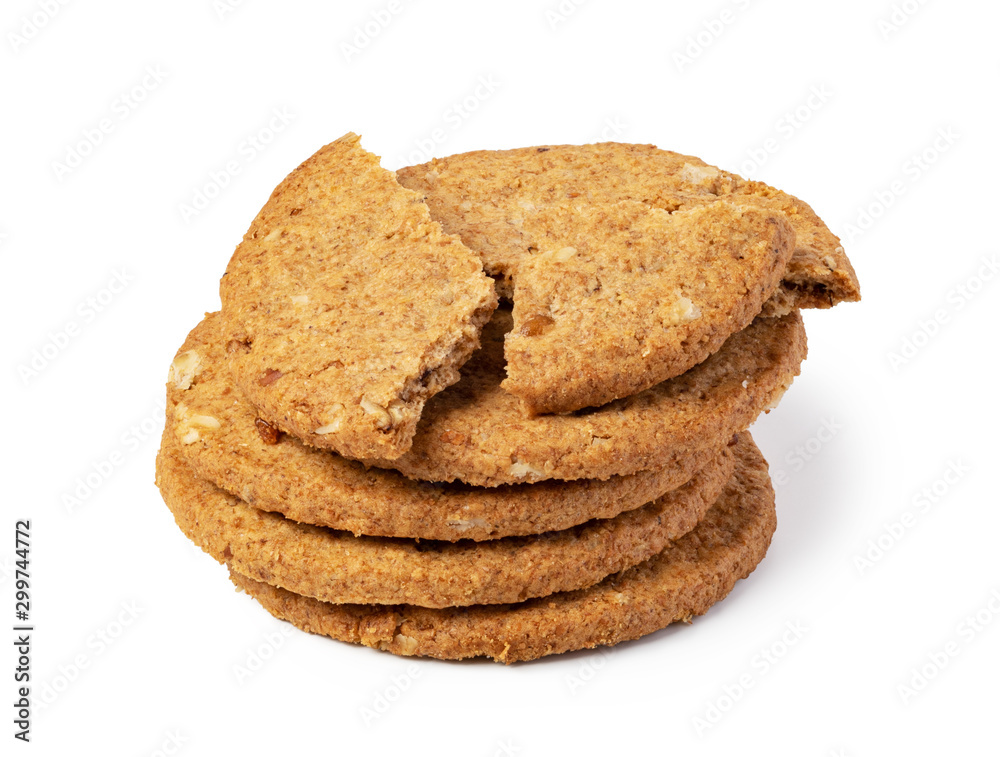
114, 564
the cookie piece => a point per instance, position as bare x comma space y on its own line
487, 198
336, 566
346, 307
475, 432
684, 580
621, 296
223, 440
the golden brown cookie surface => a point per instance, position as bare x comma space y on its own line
684, 580
487, 197
223, 440
339, 567
621, 296
346, 306
475, 432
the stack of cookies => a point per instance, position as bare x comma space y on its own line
495, 405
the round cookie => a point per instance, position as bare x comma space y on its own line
224, 442
338, 567
475, 431
621, 296
346, 306
684, 580
487, 197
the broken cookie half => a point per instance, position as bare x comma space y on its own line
622, 296
346, 307
627, 264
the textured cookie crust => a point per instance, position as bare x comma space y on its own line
621, 296
223, 441
346, 306
486, 197
338, 567
475, 432
684, 580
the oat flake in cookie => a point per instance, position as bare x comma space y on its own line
346, 307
